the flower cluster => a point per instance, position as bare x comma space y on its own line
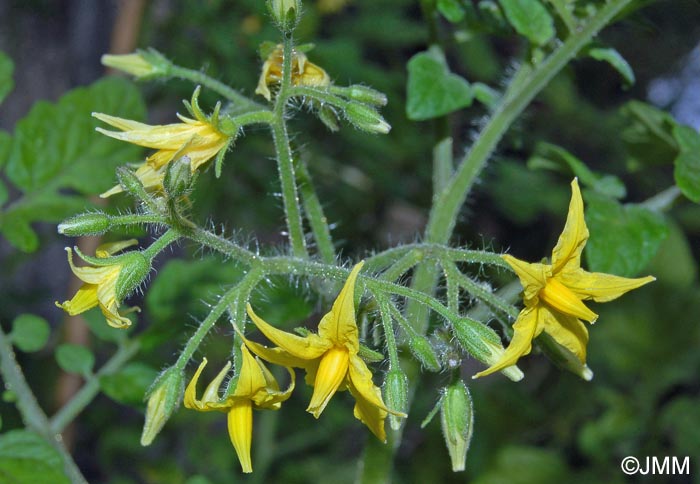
304, 72
330, 359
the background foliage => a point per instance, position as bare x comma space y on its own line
552, 426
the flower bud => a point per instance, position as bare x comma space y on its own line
163, 399
457, 418
563, 358
135, 266
178, 177
483, 343
95, 223
366, 118
143, 64
396, 395
424, 352
366, 95
285, 13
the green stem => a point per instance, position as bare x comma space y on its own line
89, 391
244, 286
161, 243
389, 336
285, 160
314, 213
447, 204
402, 265
490, 299
32, 415
219, 87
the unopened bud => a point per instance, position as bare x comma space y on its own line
163, 399
178, 177
366, 118
143, 64
457, 418
563, 358
396, 395
366, 95
285, 13
85, 224
135, 266
424, 352
483, 343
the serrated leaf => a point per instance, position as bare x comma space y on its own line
452, 10
129, 385
7, 67
615, 59
529, 18
30, 332
549, 156
56, 145
687, 163
75, 359
432, 89
27, 458
624, 238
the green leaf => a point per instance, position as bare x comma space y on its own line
486, 95
452, 10
674, 263
624, 238
56, 144
129, 385
6, 81
615, 59
55, 147
75, 359
648, 135
531, 19
687, 163
27, 458
432, 89
29, 332
554, 157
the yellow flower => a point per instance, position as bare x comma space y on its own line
304, 73
330, 359
553, 294
256, 388
107, 283
198, 139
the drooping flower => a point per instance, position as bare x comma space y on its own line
108, 282
553, 293
330, 359
255, 388
304, 73
199, 139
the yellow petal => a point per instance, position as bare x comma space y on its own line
339, 324
168, 136
307, 348
313, 76
369, 406
567, 252
525, 329
278, 356
113, 317
190, 399
561, 298
120, 123
271, 397
84, 299
566, 330
92, 275
250, 379
599, 286
262, 88
240, 430
211, 393
532, 276
330, 374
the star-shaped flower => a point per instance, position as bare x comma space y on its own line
330, 359
108, 282
553, 294
199, 139
255, 388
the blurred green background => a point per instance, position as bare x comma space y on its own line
550, 428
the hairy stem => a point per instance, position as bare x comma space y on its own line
314, 213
